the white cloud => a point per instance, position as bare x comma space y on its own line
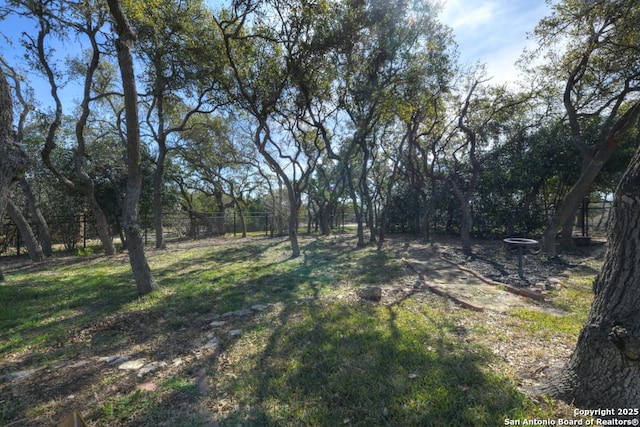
493, 32
469, 15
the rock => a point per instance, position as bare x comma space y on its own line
212, 343
150, 367
217, 323
58, 365
114, 360
554, 284
258, 307
79, 364
238, 313
132, 365
235, 333
541, 286
15, 376
371, 293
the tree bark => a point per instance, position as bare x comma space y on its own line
137, 258
357, 210
33, 247
44, 236
466, 220
158, 181
604, 370
14, 161
325, 217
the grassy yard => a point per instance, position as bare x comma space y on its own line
314, 354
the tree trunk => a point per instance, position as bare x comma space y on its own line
356, 208
243, 222
157, 200
102, 226
44, 237
592, 164
139, 266
366, 196
566, 235
568, 208
14, 161
158, 179
294, 209
466, 221
33, 247
604, 370
325, 218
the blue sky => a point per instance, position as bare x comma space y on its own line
493, 32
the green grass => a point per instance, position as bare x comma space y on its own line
319, 357
574, 299
369, 365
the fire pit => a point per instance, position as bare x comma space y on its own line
520, 243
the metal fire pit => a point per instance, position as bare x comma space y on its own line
520, 243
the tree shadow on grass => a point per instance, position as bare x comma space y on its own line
360, 364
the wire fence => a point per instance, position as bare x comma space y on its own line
69, 234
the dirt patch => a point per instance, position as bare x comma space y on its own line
468, 287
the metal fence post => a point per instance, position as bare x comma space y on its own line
266, 224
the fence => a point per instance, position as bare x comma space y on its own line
65, 232
591, 221
69, 233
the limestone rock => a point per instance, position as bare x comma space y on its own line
150, 367
212, 343
132, 365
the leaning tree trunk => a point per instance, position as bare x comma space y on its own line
604, 370
137, 258
30, 239
566, 212
101, 223
14, 161
44, 236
